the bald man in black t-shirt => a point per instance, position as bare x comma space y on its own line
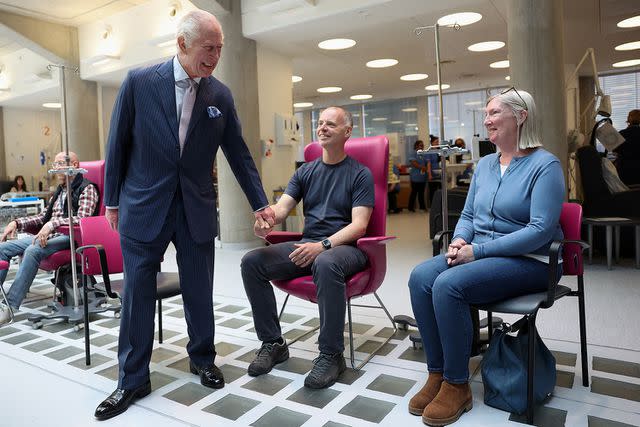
338, 196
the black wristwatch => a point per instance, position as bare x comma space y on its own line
326, 243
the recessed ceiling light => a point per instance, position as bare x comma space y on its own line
409, 109
329, 89
52, 105
359, 97
629, 63
336, 44
413, 77
379, 119
435, 87
303, 104
486, 46
507, 78
629, 46
630, 22
296, 79
462, 19
473, 103
410, 124
382, 63
500, 64
397, 122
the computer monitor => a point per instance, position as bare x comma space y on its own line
481, 147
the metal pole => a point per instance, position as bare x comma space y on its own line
443, 159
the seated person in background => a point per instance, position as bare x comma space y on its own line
499, 250
19, 185
338, 197
393, 188
433, 168
459, 142
628, 153
84, 199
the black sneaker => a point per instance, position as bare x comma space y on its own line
326, 370
267, 356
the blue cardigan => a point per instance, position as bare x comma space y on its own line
517, 213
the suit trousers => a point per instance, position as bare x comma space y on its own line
329, 270
141, 263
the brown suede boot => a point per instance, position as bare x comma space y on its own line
449, 404
426, 394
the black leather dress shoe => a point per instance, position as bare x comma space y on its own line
120, 400
209, 377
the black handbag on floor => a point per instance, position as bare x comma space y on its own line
504, 369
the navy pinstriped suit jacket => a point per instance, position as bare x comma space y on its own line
143, 162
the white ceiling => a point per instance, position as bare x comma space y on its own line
382, 29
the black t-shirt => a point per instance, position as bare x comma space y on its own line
329, 193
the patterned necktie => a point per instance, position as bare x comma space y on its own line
187, 107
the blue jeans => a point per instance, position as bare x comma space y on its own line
441, 295
31, 257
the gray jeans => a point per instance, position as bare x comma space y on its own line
329, 270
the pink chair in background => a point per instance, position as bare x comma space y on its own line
372, 152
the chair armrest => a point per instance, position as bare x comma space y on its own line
103, 266
370, 241
437, 240
554, 255
282, 236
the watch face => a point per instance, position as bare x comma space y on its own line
326, 243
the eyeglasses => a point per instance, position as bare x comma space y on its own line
526, 107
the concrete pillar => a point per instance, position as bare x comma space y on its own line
238, 70
82, 117
536, 54
423, 118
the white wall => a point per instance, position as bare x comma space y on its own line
26, 134
106, 100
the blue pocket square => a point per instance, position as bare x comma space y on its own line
213, 112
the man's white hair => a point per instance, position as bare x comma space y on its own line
190, 24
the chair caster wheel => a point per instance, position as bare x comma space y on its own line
36, 325
78, 327
416, 340
116, 314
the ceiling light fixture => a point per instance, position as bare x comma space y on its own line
629, 46
382, 63
329, 89
461, 19
397, 122
52, 105
100, 59
409, 109
303, 104
361, 97
106, 32
500, 64
336, 44
296, 79
413, 77
379, 119
507, 78
628, 63
486, 46
435, 87
630, 22
174, 9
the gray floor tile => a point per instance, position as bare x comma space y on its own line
543, 416
225, 348
334, 424
104, 340
167, 334
365, 408
230, 308
182, 342
315, 398
564, 379
369, 346
8, 330
78, 335
399, 335
189, 393
179, 314
41, 345
296, 365
281, 417
231, 406
111, 372
619, 367
358, 328
602, 422
110, 323
350, 376
234, 323
96, 360
415, 355
564, 358
159, 380
181, 365
57, 326
391, 385
64, 353
267, 384
247, 357
294, 333
232, 373
161, 354
615, 388
19, 339
312, 323
290, 318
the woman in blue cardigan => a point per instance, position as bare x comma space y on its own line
498, 251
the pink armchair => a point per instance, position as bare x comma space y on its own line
372, 152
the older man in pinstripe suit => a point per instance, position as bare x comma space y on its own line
167, 125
